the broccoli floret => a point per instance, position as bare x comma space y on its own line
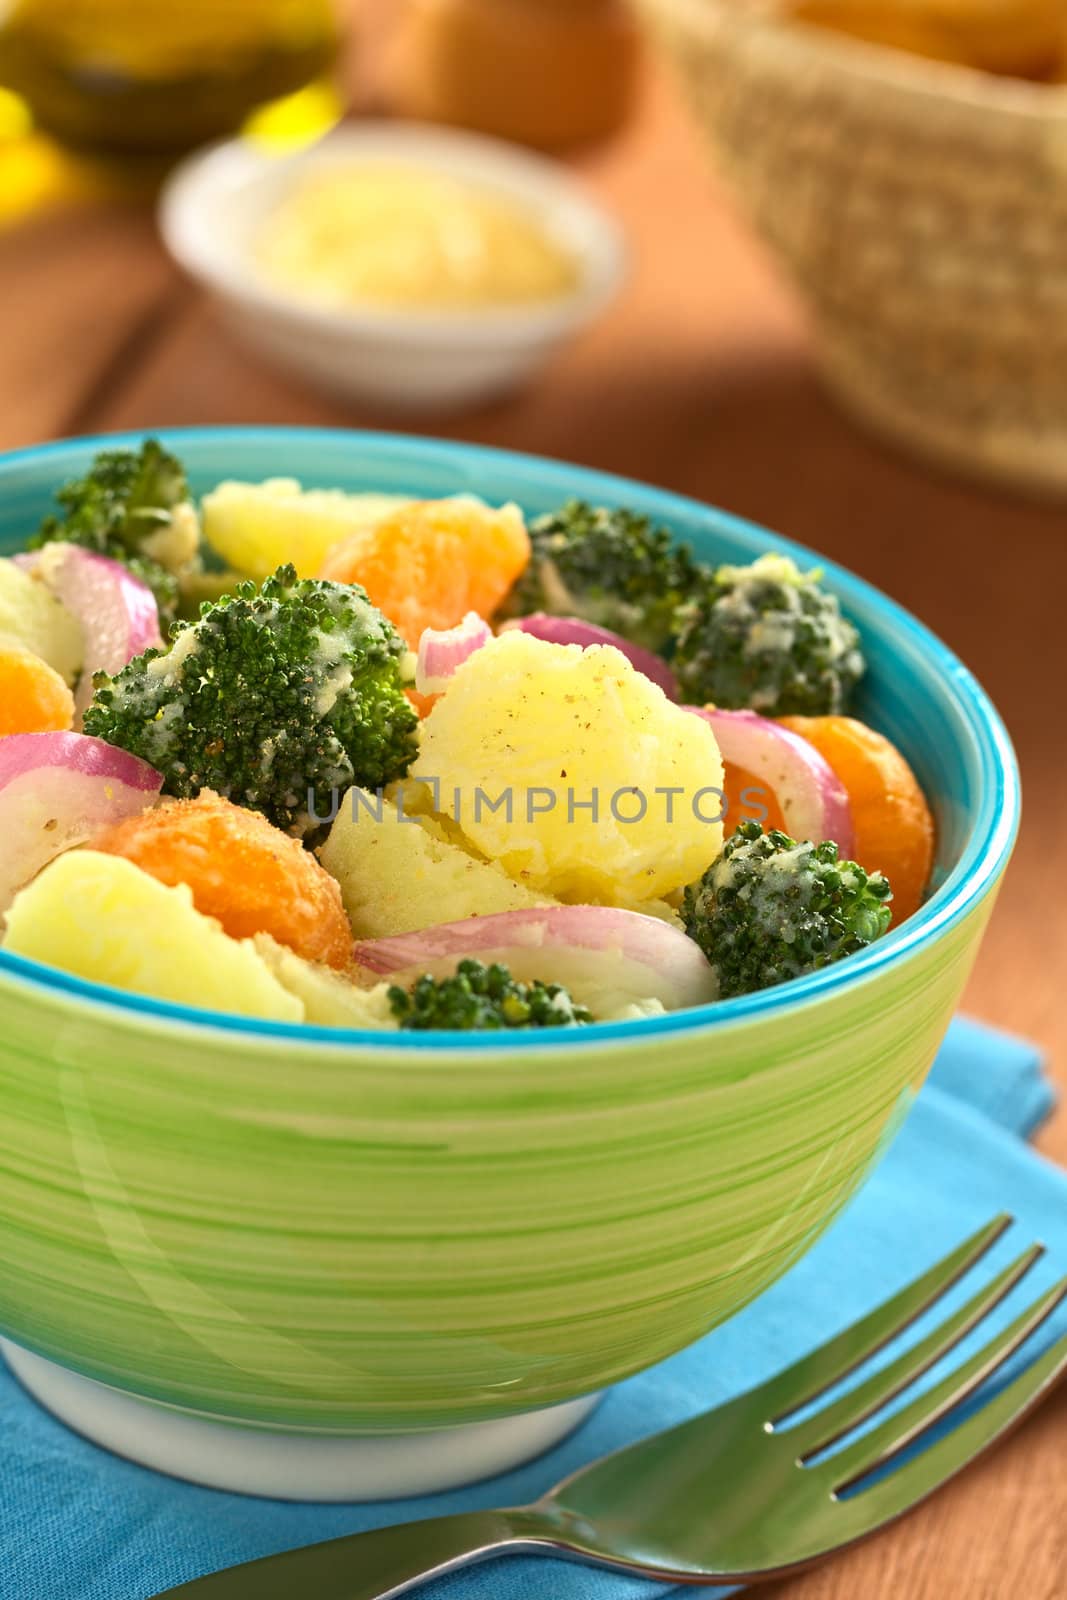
612, 568
199, 588
277, 698
480, 997
767, 638
769, 909
132, 505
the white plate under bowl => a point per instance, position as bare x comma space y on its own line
215, 203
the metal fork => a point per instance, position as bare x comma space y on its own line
739, 1493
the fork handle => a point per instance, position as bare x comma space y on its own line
375, 1565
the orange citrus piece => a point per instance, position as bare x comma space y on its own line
745, 796
423, 703
242, 871
33, 697
894, 825
429, 563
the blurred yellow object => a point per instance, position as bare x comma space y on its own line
16, 119
1016, 38
35, 173
548, 73
297, 118
125, 75
402, 237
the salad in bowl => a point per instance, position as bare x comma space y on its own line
469, 923
368, 761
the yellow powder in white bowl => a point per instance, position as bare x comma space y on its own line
403, 237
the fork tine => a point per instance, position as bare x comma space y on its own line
837, 1419
879, 1446
924, 1473
810, 1377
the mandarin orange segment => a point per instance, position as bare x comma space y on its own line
745, 797
33, 697
895, 830
431, 562
423, 703
242, 871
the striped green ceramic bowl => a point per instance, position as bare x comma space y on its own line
345, 1232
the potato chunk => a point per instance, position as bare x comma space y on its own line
399, 873
615, 791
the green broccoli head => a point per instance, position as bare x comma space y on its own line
132, 505
609, 567
767, 638
769, 909
480, 997
278, 698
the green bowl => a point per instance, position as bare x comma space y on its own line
325, 1235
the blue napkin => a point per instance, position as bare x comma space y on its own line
79, 1524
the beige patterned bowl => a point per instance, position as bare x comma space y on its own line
920, 208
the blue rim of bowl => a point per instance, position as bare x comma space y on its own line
971, 879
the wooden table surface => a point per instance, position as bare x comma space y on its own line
700, 379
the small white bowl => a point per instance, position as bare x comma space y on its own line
215, 203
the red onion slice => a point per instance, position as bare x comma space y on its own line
58, 790
118, 612
442, 650
572, 630
607, 958
813, 799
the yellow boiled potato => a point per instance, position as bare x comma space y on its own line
257, 527
31, 616
329, 1000
399, 875
101, 918
559, 730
